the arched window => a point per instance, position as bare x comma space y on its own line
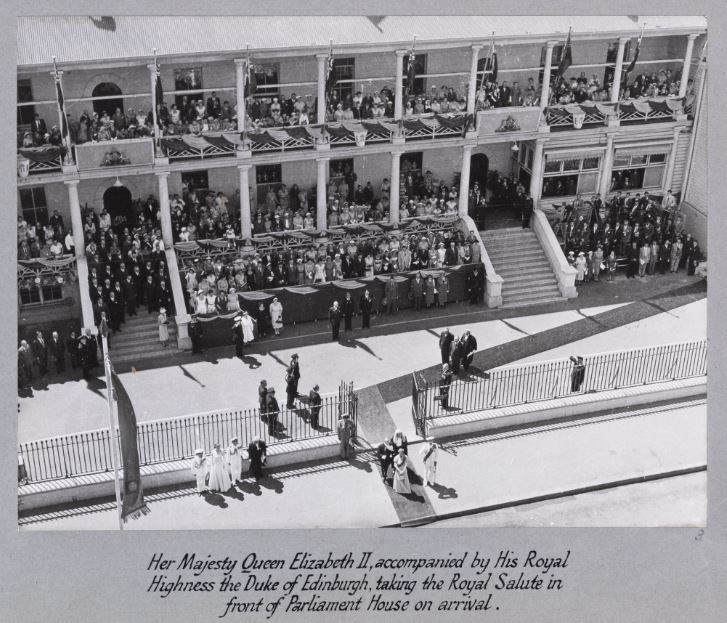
118, 203
105, 89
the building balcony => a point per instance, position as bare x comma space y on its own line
115, 154
511, 123
592, 114
39, 160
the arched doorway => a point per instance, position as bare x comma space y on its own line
118, 203
479, 167
106, 89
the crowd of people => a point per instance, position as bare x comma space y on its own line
635, 231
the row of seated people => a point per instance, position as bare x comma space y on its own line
322, 263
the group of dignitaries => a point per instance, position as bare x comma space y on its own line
393, 457
35, 357
636, 233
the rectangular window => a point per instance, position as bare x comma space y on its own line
188, 79
636, 169
197, 180
344, 69
411, 161
33, 205
266, 77
567, 177
40, 294
25, 94
268, 177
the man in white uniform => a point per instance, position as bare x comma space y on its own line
234, 458
429, 452
200, 468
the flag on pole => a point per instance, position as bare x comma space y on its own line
632, 64
158, 91
330, 74
133, 504
411, 73
490, 67
566, 59
61, 103
249, 78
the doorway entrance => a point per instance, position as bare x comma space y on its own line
106, 89
118, 203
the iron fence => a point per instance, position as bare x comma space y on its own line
521, 384
174, 439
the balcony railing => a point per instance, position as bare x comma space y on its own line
590, 114
37, 160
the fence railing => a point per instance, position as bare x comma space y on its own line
174, 439
521, 384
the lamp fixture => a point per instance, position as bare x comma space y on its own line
515, 148
118, 183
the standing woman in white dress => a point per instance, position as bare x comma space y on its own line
219, 471
276, 315
248, 328
163, 323
401, 476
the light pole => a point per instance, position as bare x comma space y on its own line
103, 329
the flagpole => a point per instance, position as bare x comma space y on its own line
155, 78
113, 439
66, 138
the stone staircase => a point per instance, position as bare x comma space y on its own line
139, 340
519, 259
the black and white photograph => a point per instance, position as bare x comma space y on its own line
347, 271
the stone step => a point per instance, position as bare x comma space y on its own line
123, 350
535, 280
533, 301
515, 256
138, 331
509, 271
123, 342
526, 289
525, 297
134, 358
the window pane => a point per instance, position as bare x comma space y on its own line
268, 174
637, 160
653, 177
560, 186
571, 165
26, 198
590, 163
196, 179
620, 161
654, 158
52, 293
552, 166
31, 295
39, 197
587, 182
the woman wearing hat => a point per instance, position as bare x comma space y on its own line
219, 471
234, 460
200, 469
163, 323
401, 476
276, 315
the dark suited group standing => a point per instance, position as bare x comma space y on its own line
36, 358
347, 310
457, 352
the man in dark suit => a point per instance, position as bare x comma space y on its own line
150, 294
455, 355
417, 291
385, 454
314, 404
72, 348
334, 318
469, 346
295, 367
57, 350
129, 295
39, 127
194, 329
40, 353
213, 106
238, 336
262, 396
445, 345
257, 453
272, 410
505, 97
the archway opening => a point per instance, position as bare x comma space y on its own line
479, 167
107, 89
118, 203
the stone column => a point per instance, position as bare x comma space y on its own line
321, 194
464, 180
472, 91
398, 86
618, 70
322, 68
166, 213
672, 160
606, 165
245, 211
395, 189
79, 244
240, 93
545, 87
536, 175
687, 65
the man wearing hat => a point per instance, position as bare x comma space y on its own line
272, 410
578, 373
346, 431
385, 454
195, 333
237, 336
257, 453
234, 459
429, 453
314, 404
200, 469
262, 395
445, 381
